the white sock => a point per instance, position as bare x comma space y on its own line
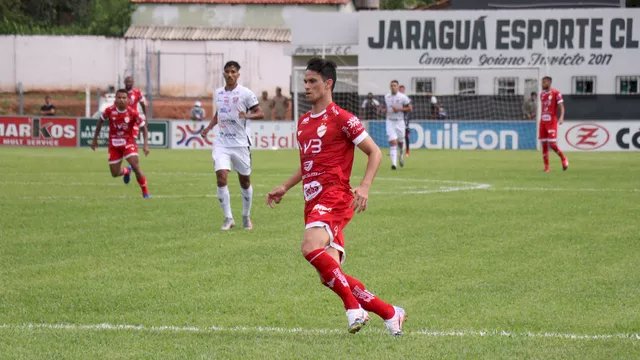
225, 201
393, 152
400, 148
247, 198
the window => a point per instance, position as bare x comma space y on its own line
424, 85
627, 85
506, 86
584, 85
466, 85
530, 85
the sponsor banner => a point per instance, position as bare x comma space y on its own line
464, 135
599, 135
591, 39
264, 135
273, 135
158, 133
185, 134
37, 131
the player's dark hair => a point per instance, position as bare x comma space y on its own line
232, 63
122, 91
394, 81
547, 78
534, 93
326, 69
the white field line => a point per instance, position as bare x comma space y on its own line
562, 189
301, 331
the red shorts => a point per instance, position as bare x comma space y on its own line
333, 212
548, 131
117, 153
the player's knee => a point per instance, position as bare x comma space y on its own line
115, 174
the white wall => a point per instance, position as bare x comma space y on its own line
70, 63
59, 63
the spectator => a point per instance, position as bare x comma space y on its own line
266, 105
370, 108
402, 88
529, 107
434, 107
197, 112
280, 105
48, 109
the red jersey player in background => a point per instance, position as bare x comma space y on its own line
551, 101
327, 136
135, 97
122, 143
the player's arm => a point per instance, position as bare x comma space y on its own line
407, 107
276, 195
561, 118
94, 143
374, 155
212, 123
255, 113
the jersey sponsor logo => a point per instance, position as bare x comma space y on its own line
312, 174
118, 142
313, 145
126, 119
587, 136
307, 165
353, 122
322, 129
321, 209
311, 190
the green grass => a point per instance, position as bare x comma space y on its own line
532, 253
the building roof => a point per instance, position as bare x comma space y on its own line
207, 33
245, 2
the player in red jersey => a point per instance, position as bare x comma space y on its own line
122, 143
137, 101
551, 101
327, 136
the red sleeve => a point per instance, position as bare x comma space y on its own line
352, 127
559, 97
104, 115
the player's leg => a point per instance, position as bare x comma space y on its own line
393, 143
400, 136
133, 160
553, 135
543, 136
116, 154
324, 259
241, 160
393, 316
222, 166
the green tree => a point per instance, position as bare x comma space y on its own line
65, 17
403, 4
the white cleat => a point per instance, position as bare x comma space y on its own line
246, 223
394, 325
357, 319
227, 224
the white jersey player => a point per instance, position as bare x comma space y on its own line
235, 104
396, 104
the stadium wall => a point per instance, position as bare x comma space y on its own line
56, 63
276, 135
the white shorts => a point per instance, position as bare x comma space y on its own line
395, 130
239, 157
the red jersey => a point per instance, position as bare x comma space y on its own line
549, 100
326, 142
135, 97
121, 125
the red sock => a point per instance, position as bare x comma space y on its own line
333, 277
368, 301
124, 171
555, 148
143, 184
545, 154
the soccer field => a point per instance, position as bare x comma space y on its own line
491, 258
